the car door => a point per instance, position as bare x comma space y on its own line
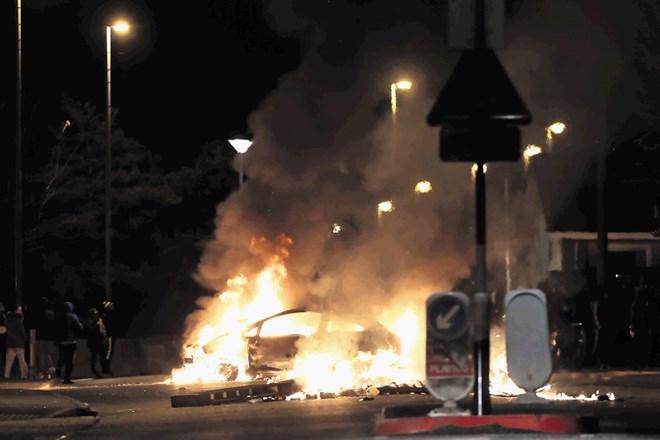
273, 345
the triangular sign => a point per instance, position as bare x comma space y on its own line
479, 90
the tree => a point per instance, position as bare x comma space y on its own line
64, 215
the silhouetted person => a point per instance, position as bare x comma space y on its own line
3, 336
640, 313
16, 342
108, 316
97, 341
68, 327
654, 326
46, 349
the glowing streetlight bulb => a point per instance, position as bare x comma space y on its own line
531, 150
557, 128
121, 27
240, 145
403, 85
474, 169
423, 187
385, 206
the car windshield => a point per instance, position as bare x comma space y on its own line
300, 323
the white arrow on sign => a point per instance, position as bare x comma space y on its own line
443, 322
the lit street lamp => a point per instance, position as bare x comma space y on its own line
530, 151
241, 146
120, 27
401, 85
550, 130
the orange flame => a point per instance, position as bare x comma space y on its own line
322, 364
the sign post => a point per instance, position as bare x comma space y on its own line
479, 110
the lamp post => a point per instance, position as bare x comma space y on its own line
552, 129
401, 85
120, 27
18, 171
241, 146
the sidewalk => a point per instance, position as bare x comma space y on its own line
35, 399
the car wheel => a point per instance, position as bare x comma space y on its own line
228, 371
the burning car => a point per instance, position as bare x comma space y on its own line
272, 344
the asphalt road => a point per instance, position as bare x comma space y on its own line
141, 408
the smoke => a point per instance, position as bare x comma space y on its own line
327, 150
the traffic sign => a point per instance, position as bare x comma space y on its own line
448, 316
449, 360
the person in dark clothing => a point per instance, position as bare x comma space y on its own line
110, 328
3, 336
43, 320
639, 328
17, 340
97, 341
68, 328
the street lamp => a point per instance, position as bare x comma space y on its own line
241, 146
401, 85
120, 27
550, 130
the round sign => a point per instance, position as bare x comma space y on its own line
448, 314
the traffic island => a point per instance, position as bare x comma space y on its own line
484, 424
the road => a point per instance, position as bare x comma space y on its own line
140, 408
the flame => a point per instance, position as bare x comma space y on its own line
328, 359
501, 384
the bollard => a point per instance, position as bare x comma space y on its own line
33, 353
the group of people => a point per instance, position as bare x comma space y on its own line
65, 328
615, 326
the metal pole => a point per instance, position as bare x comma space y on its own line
482, 306
108, 171
601, 267
507, 231
481, 403
240, 171
18, 172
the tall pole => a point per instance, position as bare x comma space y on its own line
108, 170
601, 226
482, 303
18, 172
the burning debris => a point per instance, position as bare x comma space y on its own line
256, 337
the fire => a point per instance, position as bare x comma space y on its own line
502, 385
328, 359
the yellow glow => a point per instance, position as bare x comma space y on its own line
423, 187
557, 128
404, 85
120, 26
474, 169
531, 150
336, 228
385, 206
326, 361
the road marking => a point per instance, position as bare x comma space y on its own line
443, 322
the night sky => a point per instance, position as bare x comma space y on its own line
309, 79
